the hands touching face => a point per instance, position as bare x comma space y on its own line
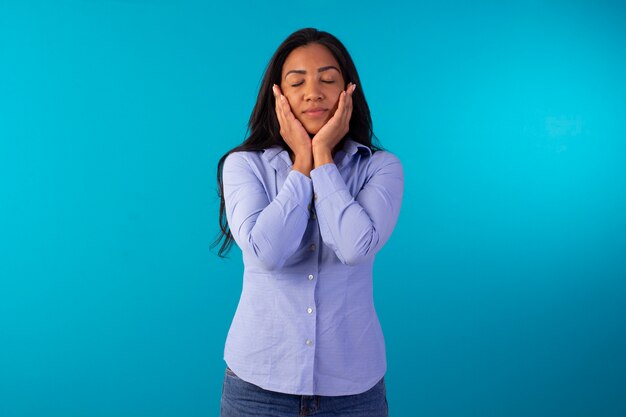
291, 129
330, 133
339, 124
311, 101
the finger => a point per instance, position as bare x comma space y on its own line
279, 98
278, 108
284, 117
345, 106
349, 106
289, 121
277, 93
284, 103
280, 115
349, 93
276, 96
341, 105
287, 109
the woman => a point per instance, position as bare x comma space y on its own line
310, 201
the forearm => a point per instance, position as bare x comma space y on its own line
356, 227
278, 230
268, 230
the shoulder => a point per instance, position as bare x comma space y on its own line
242, 160
243, 155
383, 159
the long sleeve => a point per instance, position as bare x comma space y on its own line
309, 327
357, 227
271, 231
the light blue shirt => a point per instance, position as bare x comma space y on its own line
306, 323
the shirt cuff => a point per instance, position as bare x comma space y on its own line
300, 188
326, 181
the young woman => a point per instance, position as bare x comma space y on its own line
310, 201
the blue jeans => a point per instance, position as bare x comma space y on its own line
243, 399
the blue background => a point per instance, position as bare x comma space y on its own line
502, 291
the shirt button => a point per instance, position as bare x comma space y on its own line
309, 310
312, 247
309, 342
315, 196
313, 216
310, 277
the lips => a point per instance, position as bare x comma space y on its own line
315, 111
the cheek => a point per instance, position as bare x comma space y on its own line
290, 98
335, 102
293, 104
334, 96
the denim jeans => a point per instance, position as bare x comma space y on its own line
243, 399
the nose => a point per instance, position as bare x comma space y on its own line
313, 92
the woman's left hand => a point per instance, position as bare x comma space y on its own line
338, 125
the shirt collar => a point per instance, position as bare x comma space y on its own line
278, 157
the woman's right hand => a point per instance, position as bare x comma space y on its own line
292, 131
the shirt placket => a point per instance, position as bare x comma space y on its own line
310, 309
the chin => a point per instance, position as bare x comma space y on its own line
313, 129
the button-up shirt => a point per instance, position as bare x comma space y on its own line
305, 323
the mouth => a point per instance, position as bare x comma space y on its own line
316, 112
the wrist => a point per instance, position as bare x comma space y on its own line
321, 156
303, 163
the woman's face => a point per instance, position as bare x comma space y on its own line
311, 79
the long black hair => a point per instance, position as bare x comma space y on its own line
263, 124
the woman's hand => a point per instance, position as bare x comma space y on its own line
292, 131
335, 128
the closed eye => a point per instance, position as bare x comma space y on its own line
324, 81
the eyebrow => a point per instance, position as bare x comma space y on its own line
320, 69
